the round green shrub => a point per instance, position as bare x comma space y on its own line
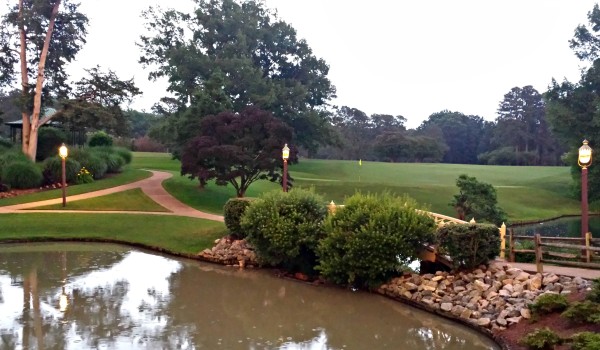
100, 138
583, 312
548, 303
49, 140
233, 211
124, 153
371, 237
469, 245
5, 143
22, 174
541, 339
94, 163
11, 156
53, 169
594, 293
285, 228
585, 341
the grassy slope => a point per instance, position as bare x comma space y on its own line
177, 234
526, 193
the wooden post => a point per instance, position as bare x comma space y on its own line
588, 238
502, 241
538, 253
511, 246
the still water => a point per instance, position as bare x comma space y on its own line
83, 296
563, 227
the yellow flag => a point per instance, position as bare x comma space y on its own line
360, 162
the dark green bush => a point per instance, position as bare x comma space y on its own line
100, 138
233, 211
541, 339
371, 237
548, 303
49, 140
22, 174
11, 156
583, 312
124, 153
285, 228
586, 341
469, 245
53, 169
5, 143
594, 294
114, 162
524, 257
92, 162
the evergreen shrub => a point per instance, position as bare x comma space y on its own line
371, 237
285, 228
22, 174
594, 293
548, 303
124, 153
5, 143
49, 140
585, 341
114, 162
583, 312
53, 169
233, 211
541, 339
469, 245
91, 161
100, 138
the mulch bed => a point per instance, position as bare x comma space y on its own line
562, 326
15, 192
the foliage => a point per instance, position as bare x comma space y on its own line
285, 228
83, 176
585, 341
99, 139
585, 311
258, 56
233, 211
370, 237
508, 156
237, 149
586, 41
22, 174
11, 156
53, 169
461, 133
140, 123
123, 153
93, 162
114, 162
5, 143
548, 303
594, 293
477, 200
525, 257
49, 140
147, 144
406, 147
469, 245
541, 339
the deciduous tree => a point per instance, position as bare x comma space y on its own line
237, 149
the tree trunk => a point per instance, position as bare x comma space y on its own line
30, 142
24, 80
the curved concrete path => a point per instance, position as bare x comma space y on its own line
151, 186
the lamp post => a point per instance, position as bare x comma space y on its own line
285, 154
63, 152
584, 160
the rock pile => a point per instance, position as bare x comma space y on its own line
491, 297
231, 252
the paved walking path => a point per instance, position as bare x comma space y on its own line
559, 270
151, 186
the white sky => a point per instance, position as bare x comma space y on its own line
410, 58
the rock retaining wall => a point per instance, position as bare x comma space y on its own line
231, 252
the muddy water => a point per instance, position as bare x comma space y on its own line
82, 296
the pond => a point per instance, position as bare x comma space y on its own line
83, 296
563, 227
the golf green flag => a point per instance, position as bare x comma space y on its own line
360, 162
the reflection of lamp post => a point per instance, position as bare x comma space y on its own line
63, 300
63, 152
285, 153
584, 160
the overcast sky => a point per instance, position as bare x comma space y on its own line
410, 58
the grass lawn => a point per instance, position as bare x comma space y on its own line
128, 175
525, 193
130, 200
176, 234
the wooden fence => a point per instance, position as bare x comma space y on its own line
571, 251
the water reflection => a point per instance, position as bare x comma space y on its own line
122, 299
563, 227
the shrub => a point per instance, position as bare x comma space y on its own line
11, 156
100, 138
586, 341
49, 140
285, 228
124, 153
469, 245
541, 339
146, 144
582, 312
594, 293
114, 162
548, 303
525, 257
53, 169
371, 237
5, 143
84, 177
92, 162
22, 174
233, 211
